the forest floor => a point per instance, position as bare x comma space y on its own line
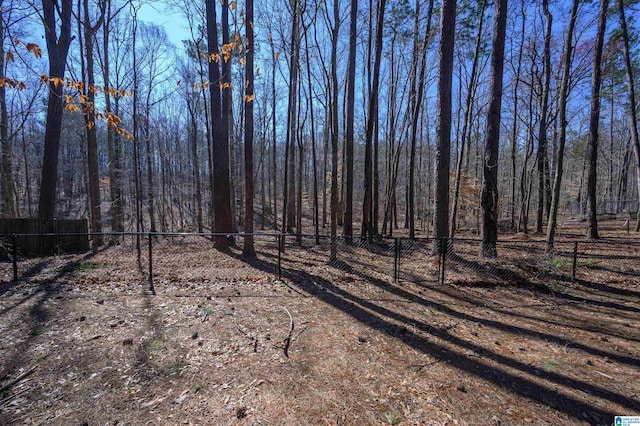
224, 342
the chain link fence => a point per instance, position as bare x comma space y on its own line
187, 263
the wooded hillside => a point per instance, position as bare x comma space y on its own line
370, 118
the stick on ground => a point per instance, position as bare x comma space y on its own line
287, 341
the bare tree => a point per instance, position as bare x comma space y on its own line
248, 249
57, 29
89, 32
594, 121
222, 184
632, 97
443, 121
489, 195
562, 105
368, 204
544, 116
348, 146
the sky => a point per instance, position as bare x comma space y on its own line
173, 22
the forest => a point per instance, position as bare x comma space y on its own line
314, 116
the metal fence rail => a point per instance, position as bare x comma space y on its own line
183, 261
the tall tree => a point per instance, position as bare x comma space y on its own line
594, 121
348, 144
113, 140
421, 52
562, 105
489, 195
367, 205
222, 185
248, 249
633, 120
468, 117
514, 128
288, 216
335, 29
544, 117
443, 121
57, 30
8, 207
89, 31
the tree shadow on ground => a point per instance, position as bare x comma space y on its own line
39, 313
397, 325
494, 272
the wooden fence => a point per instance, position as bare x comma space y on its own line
44, 236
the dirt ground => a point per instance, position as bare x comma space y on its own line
226, 342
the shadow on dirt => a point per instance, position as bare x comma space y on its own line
397, 325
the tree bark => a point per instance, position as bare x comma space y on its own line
632, 98
334, 130
489, 195
113, 142
367, 206
220, 138
594, 121
8, 206
351, 84
468, 117
443, 122
544, 119
562, 101
248, 250
57, 49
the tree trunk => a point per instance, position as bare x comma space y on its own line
220, 137
8, 207
632, 98
113, 142
417, 107
562, 105
334, 130
288, 216
274, 149
489, 195
514, 131
367, 206
316, 204
443, 121
594, 121
468, 117
248, 249
544, 119
57, 49
351, 84
92, 139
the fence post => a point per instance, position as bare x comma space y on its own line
151, 287
443, 252
14, 253
574, 265
280, 240
396, 259
628, 225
